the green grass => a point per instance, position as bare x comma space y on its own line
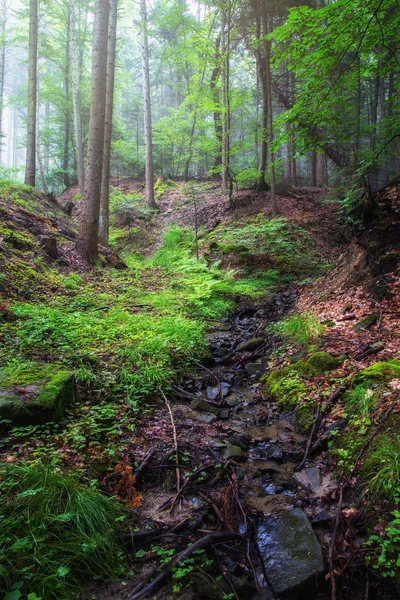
52, 530
303, 328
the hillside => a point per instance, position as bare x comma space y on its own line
177, 395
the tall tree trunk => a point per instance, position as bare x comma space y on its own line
105, 179
76, 100
89, 226
215, 75
322, 173
2, 68
267, 50
39, 156
65, 163
148, 133
313, 168
226, 122
30, 169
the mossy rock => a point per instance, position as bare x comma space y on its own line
380, 372
285, 386
319, 363
35, 392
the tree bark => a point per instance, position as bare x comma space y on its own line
148, 132
30, 169
89, 226
65, 164
267, 50
105, 178
76, 101
2, 68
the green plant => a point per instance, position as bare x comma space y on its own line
302, 328
385, 550
362, 399
381, 468
52, 529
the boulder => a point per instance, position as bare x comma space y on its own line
35, 392
290, 552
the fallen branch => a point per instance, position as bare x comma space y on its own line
164, 576
143, 465
178, 473
369, 351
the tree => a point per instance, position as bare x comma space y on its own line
89, 226
76, 98
105, 180
30, 169
148, 133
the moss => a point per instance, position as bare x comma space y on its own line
285, 386
319, 363
35, 392
305, 416
234, 249
366, 323
380, 372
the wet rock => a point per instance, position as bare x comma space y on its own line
253, 369
204, 417
290, 553
250, 345
309, 478
225, 388
269, 505
204, 406
235, 452
212, 392
241, 440
224, 413
322, 519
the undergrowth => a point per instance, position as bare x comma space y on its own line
52, 530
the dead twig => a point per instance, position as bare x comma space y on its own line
143, 465
178, 473
164, 576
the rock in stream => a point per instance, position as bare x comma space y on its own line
290, 552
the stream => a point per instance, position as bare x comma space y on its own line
285, 509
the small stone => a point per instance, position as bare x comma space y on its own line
204, 417
321, 519
234, 452
253, 368
212, 393
224, 413
241, 440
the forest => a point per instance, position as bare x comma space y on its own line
200, 299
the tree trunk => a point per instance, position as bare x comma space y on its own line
89, 227
76, 101
2, 68
39, 157
215, 75
267, 50
322, 173
148, 133
30, 169
105, 180
65, 163
313, 169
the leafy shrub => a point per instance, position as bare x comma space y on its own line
125, 208
247, 178
302, 328
52, 529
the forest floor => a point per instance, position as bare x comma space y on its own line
216, 396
